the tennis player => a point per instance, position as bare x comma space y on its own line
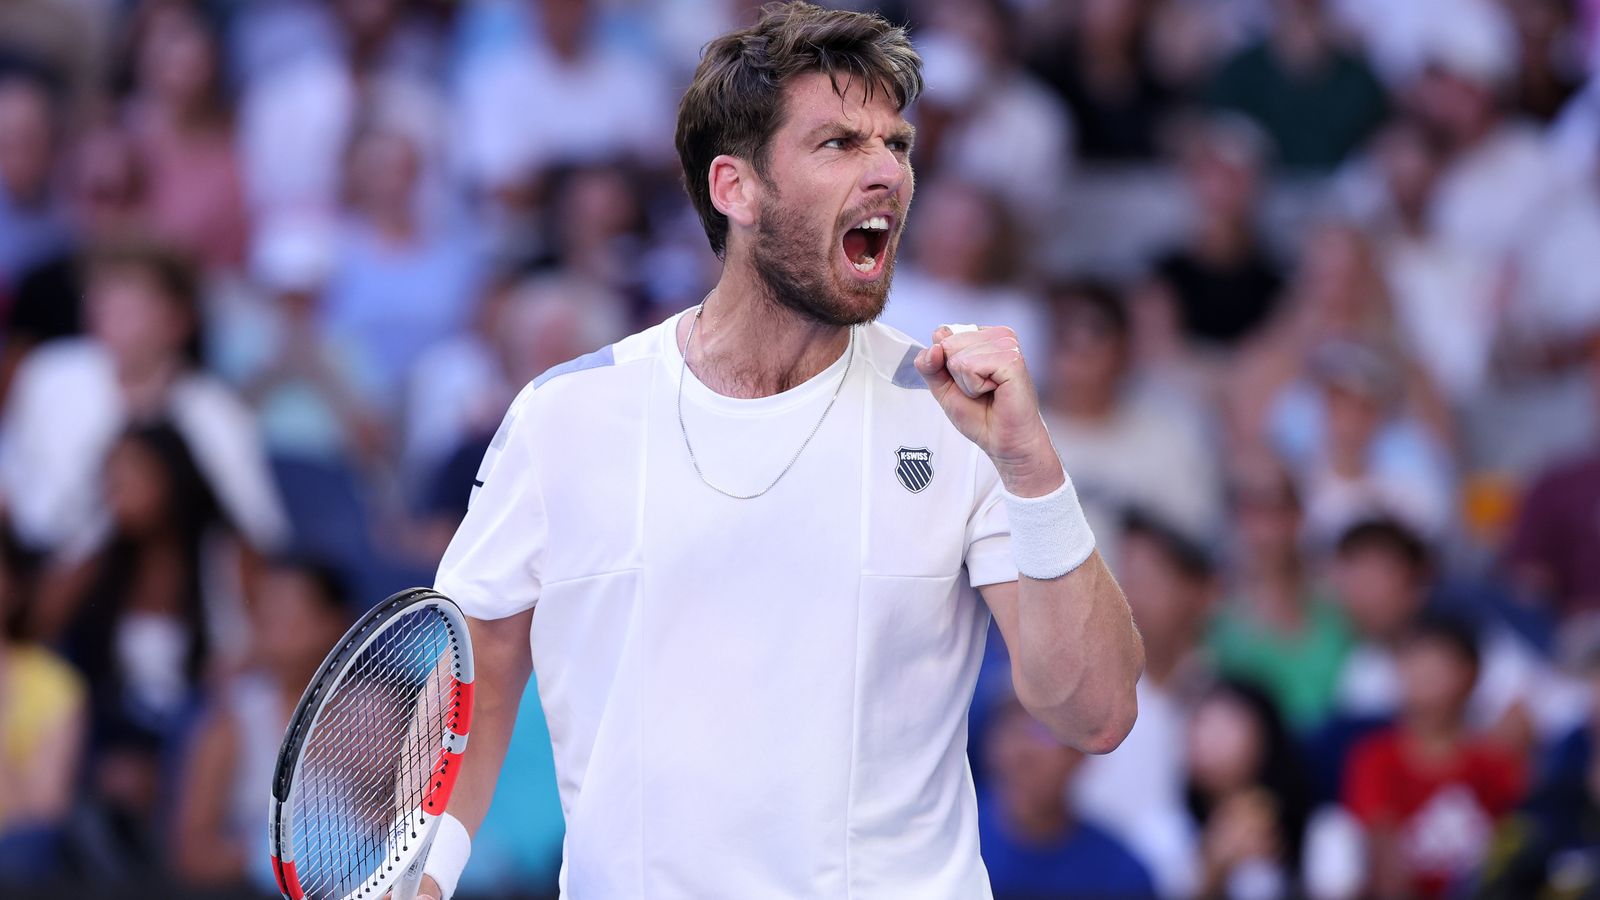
740, 542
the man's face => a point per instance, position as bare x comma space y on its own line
832, 201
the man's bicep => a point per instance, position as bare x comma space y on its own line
500, 647
1001, 599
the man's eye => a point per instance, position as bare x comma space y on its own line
834, 143
900, 146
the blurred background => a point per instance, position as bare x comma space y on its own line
1311, 289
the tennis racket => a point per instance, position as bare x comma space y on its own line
372, 753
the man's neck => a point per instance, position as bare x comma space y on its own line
746, 345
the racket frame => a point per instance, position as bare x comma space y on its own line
404, 871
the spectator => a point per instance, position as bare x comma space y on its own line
106, 199
1337, 295
315, 397
592, 101
42, 731
523, 328
1549, 70
962, 267
1470, 59
1428, 791
1558, 849
319, 70
1353, 452
218, 839
181, 120
1033, 846
1248, 794
1550, 555
979, 97
1125, 450
139, 362
1280, 630
1137, 792
403, 280
1385, 578
1220, 281
1316, 101
1444, 298
597, 227
33, 219
1105, 77
134, 619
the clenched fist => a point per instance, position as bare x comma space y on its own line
981, 381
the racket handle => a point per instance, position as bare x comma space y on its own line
411, 879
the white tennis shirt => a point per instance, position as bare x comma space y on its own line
757, 698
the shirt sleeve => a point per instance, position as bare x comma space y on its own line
988, 556
492, 566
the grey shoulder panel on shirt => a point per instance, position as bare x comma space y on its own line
605, 356
906, 375
601, 358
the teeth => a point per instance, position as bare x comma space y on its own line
876, 223
866, 264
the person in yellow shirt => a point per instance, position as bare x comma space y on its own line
42, 732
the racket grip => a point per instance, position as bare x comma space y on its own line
411, 879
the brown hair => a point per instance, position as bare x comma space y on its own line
735, 103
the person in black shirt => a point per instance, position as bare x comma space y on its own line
1221, 279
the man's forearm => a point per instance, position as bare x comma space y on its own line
1079, 656
503, 664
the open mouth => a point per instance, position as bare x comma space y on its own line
864, 245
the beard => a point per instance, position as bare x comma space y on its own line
787, 266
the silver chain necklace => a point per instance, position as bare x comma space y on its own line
682, 376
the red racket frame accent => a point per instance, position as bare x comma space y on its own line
288, 881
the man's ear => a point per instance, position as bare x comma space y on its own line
734, 189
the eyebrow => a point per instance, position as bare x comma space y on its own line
905, 132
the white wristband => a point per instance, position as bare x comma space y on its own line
1049, 535
448, 856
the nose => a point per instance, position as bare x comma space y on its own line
885, 170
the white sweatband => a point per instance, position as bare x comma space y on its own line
1049, 535
961, 329
448, 856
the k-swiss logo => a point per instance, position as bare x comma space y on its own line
914, 467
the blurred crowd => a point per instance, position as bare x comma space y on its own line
1310, 288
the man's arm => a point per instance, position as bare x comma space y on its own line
502, 664
1075, 652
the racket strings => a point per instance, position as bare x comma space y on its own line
367, 762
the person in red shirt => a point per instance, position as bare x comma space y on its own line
1428, 792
